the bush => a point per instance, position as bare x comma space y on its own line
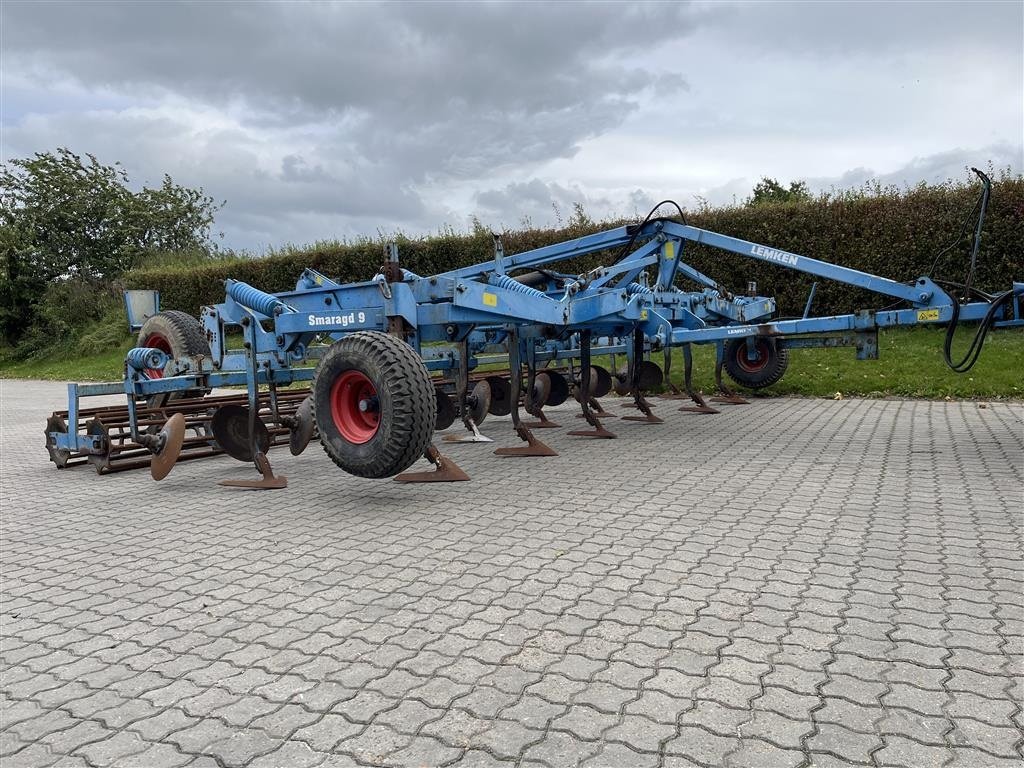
77, 316
885, 231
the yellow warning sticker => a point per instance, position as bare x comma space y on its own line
490, 299
643, 314
670, 251
924, 315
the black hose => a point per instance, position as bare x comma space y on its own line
638, 227
974, 350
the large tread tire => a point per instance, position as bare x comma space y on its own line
770, 366
179, 335
406, 397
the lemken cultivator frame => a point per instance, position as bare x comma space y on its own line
395, 358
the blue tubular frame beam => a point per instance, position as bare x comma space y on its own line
923, 293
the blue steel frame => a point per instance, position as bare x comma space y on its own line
285, 333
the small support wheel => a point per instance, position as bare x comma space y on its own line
374, 404
179, 335
771, 359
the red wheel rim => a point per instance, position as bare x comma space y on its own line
758, 364
354, 407
157, 341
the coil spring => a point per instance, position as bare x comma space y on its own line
634, 288
253, 298
509, 284
144, 358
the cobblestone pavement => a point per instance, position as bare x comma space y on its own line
789, 583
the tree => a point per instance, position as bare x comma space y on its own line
769, 191
64, 218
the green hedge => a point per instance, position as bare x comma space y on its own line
888, 232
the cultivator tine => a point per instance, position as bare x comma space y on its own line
726, 395
584, 390
674, 392
533, 447
475, 435
542, 421
446, 470
645, 408
269, 480
472, 407
701, 404
598, 410
636, 367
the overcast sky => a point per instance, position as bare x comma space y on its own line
317, 121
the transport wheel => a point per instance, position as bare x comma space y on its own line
179, 335
374, 404
769, 365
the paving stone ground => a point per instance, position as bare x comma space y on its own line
790, 583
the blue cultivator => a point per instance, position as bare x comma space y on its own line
395, 358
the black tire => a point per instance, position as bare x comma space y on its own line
770, 365
179, 335
406, 404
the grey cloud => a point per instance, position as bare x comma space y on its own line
347, 199
344, 56
541, 203
397, 70
953, 165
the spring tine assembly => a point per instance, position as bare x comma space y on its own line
598, 409
672, 391
465, 410
701, 404
726, 395
598, 430
634, 376
533, 447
